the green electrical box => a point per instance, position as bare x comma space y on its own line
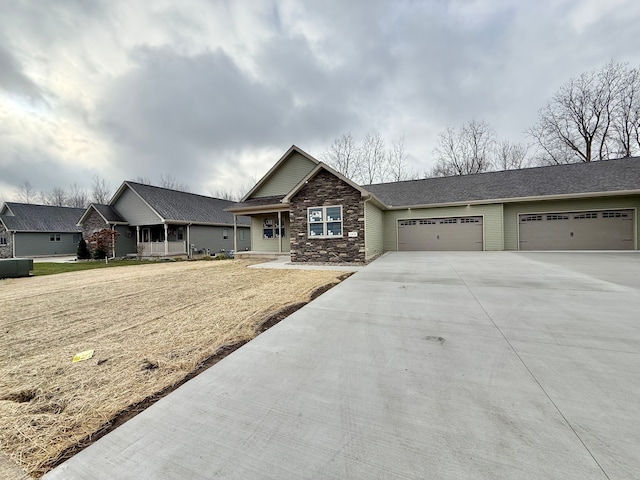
15, 267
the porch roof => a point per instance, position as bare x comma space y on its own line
261, 204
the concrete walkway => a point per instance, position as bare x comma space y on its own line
421, 365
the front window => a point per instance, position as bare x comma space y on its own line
3, 238
325, 221
270, 228
54, 237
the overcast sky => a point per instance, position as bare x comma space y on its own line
214, 92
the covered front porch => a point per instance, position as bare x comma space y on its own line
164, 240
270, 231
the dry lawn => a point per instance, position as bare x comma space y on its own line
150, 326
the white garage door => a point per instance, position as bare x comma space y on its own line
453, 233
597, 230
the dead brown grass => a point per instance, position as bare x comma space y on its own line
150, 327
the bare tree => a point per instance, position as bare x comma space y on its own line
225, 194
143, 180
169, 181
26, 192
373, 158
77, 197
465, 150
344, 156
397, 161
626, 122
575, 126
510, 156
100, 190
56, 197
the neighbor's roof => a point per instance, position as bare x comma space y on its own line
604, 176
26, 217
108, 214
176, 206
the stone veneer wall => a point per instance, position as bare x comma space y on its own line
93, 223
326, 189
6, 251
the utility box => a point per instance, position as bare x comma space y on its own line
15, 267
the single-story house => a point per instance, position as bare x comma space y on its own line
306, 209
29, 230
155, 221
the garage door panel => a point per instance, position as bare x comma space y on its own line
440, 234
598, 230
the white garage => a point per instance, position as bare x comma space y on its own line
592, 230
451, 233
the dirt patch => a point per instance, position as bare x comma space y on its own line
152, 327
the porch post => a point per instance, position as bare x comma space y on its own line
235, 233
166, 239
189, 241
279, 230
137, 235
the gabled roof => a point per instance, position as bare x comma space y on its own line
269, 174
608, 177
320, 167
182, 207
27, 217
108, 214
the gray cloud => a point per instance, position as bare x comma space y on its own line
13, 80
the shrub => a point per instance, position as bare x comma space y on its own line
83, 252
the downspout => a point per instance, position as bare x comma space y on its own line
13, 243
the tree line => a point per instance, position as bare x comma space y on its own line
594, 116
78, 197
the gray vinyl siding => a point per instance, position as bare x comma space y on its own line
211, 238
261, 244
511, 211
290, 173
373, 228
39, 244
131, 207
492, 214
126, 241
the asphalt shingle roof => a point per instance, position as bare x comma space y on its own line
42, 218
186, 207
259, 202
108, 213
595, 177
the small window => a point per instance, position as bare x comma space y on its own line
3, 238
469, 220
54, 237
427, 222
557, 217
180, 233
531, 218
325, 221
584, 216
225, 234
449, 220
614, 215
241, 234
270, 228
407, 223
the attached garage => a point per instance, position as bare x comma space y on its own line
594, 230
451, 233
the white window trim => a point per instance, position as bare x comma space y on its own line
325, 221
56, 237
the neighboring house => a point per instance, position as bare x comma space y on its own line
305, 208
28, 230
155, 221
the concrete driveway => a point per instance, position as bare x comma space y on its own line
421, 365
